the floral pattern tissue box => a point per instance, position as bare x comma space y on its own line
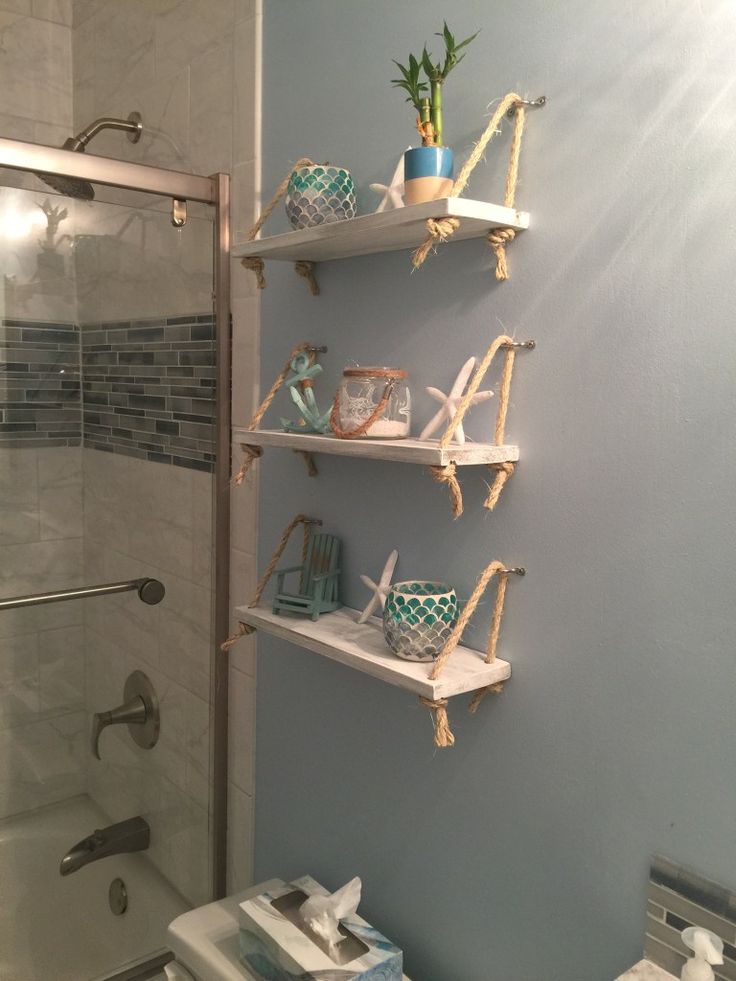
275, 945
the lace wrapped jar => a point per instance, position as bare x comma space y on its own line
372, 403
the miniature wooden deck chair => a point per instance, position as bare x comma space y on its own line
318, 589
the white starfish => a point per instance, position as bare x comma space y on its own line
451, 402
381, 588
393, 192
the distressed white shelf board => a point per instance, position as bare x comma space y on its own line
361, 646
426, 452
400, 228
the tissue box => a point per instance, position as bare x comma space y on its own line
272, 944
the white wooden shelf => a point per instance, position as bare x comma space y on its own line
401, 228
361, 646
425, 452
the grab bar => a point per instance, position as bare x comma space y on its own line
150, 591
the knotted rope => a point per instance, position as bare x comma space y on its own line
255, 263
251, 451
440, 229
300, 519
447, 474
443, 736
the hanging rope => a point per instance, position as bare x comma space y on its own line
479, 695
443, 736
251, 451
440, 229
491, 570
300, 519
305, 269
448, 473
308, 458
255, 263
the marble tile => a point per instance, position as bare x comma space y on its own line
241, 724
61, 670
185, 639
16, 6
60, 492
244, 210
243, 510
14, 127
37, 69
245, 358
160, 505
246, 90
42, 763
18, 496
125, 58
211, 110
202, 529
188, 29
181, 847
59, 11
240, 830
19, 688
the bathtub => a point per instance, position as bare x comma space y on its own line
62, 929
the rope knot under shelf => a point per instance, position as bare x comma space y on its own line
440, 229
255, 263
448, 475
443, 736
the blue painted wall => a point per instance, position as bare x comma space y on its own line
523, 852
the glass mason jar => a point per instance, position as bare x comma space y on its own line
372, 403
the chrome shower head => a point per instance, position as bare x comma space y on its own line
73, 187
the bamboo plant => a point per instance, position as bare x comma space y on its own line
429, 106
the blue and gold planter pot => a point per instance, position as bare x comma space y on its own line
418, 618
428, 174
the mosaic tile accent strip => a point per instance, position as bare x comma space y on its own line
679, 898
39, 384
149, 389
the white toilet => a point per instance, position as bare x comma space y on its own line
205, 941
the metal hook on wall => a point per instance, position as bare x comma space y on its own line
530, 103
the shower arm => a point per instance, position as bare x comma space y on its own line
133, 126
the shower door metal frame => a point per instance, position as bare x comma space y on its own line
215, 191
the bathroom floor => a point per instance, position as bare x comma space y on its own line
63, 928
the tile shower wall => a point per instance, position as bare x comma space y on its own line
679, 898
39, 384
149, 389
42, 722
192, 69
150, 519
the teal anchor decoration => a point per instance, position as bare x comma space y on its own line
301, 389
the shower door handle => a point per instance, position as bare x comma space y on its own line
139, 711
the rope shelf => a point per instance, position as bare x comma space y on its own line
443, 736
502, 471
439, 228
445, 474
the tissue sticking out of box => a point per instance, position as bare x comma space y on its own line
322, 914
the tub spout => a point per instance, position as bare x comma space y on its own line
133, 835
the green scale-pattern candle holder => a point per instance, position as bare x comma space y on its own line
418, 618
320, 195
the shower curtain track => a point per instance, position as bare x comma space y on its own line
213, 190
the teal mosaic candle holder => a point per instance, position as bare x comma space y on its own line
418, 618
320, 195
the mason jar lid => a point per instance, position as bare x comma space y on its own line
374, 371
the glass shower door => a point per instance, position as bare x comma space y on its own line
107, 453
